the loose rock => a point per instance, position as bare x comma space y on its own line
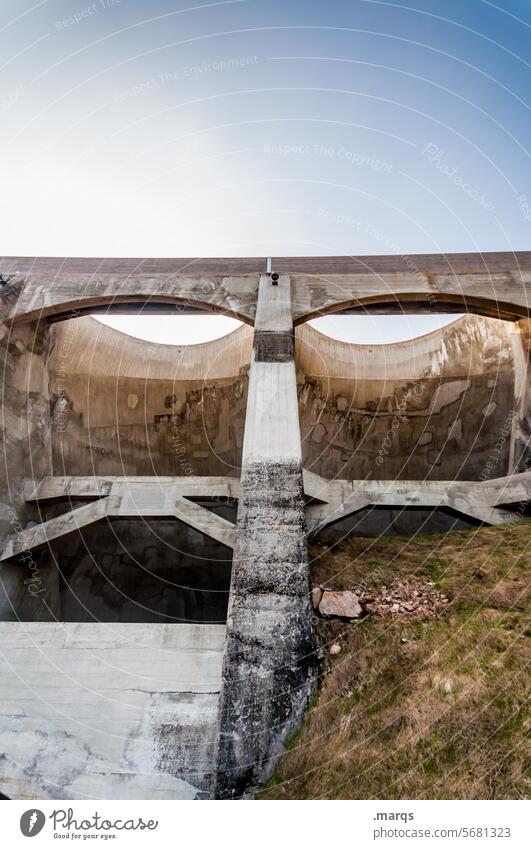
345, 605
417, 598
317, 595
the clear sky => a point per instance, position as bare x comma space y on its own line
181, 128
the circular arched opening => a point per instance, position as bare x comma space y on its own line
172, 329
379, 329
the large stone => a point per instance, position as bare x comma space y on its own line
317, 595
345, 605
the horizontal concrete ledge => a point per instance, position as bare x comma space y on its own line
75, 487
124, 636
460, 263
132, 266
483, 501
457, 263
144, 497
121, 499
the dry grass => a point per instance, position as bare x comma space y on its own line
384, 725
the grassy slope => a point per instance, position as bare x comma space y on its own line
382, 725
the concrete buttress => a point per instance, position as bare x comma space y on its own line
269, 669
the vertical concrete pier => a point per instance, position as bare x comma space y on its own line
270, 662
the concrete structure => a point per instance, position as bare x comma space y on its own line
155, 620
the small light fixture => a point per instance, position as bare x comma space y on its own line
274, 279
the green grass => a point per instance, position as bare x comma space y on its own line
382, 726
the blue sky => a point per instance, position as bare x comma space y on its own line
264, 128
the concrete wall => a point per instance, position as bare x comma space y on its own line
496, 284
25, 447
522, 447
108, 712
429, 408
122, 406
112, 710
25, 424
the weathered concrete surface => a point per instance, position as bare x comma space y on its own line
426, 409
25, 445
492, 284
270, 661
72, 487
522, 431
25, 421
486, 501
269, 668
56, 293
122, 406
496, 284
273, 327
119, 408
125, 501
108, 711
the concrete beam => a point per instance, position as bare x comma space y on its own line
60, 527
46, 294
495, 284
490, 262
330, 500
478, 500
203, 520
122, 498
76, 487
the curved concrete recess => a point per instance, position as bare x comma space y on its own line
449, 389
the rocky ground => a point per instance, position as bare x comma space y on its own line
419, 599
